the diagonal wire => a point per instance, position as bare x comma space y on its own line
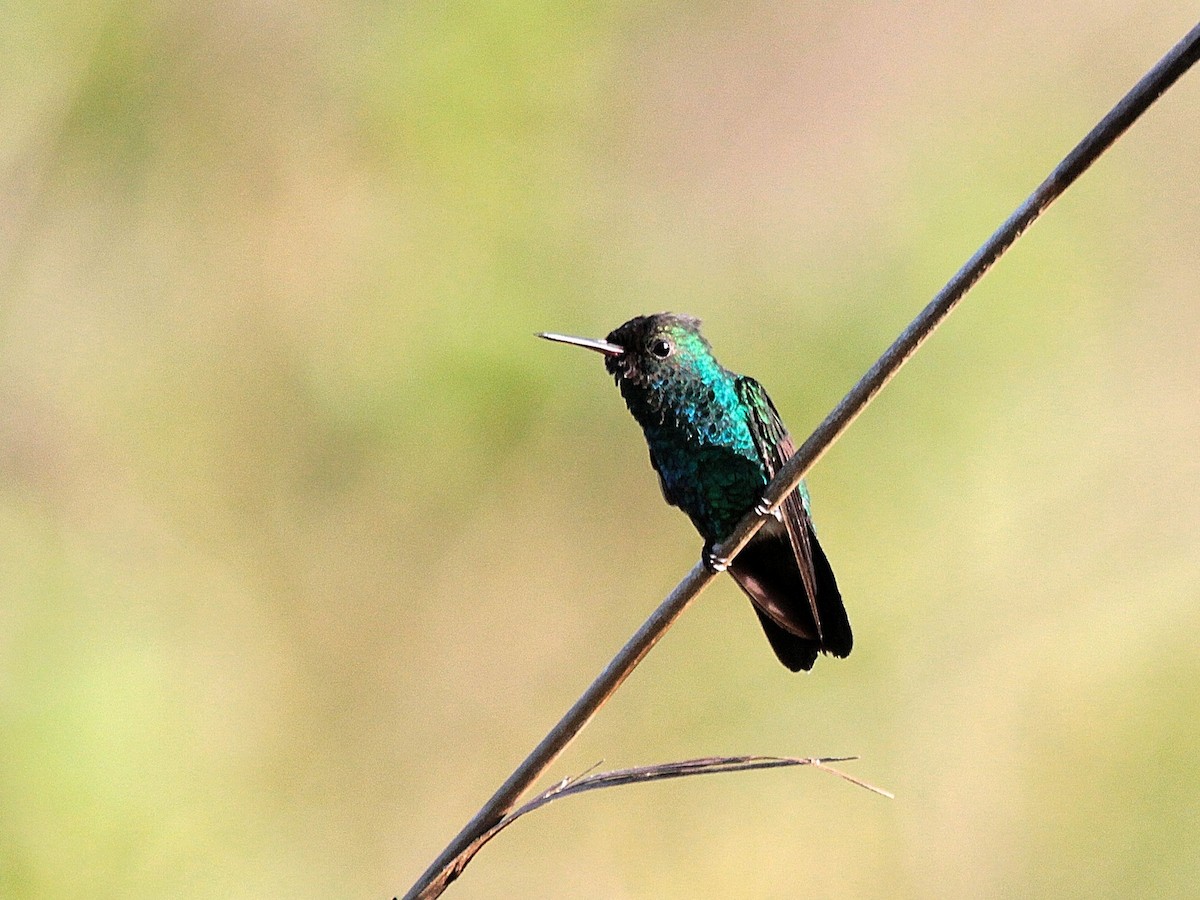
1140, 97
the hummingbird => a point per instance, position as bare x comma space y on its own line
716, 440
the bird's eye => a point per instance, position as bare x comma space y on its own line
661, 348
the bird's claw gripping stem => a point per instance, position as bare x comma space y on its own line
712, 562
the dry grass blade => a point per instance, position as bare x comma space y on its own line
707, 765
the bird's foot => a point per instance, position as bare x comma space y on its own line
712, 562
763, 509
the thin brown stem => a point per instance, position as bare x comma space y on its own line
450, 862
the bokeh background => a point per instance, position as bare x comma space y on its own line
305, 540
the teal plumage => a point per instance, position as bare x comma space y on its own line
716, 440
696, 428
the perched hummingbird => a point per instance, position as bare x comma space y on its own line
716, 440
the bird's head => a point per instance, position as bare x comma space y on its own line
649, 353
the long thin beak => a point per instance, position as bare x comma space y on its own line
590, 343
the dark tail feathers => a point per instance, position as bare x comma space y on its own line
767, 570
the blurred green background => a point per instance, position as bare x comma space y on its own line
305, 540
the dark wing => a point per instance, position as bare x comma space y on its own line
775, 447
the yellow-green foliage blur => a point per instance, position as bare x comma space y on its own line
305, 540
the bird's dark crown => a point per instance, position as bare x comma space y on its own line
656, 344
